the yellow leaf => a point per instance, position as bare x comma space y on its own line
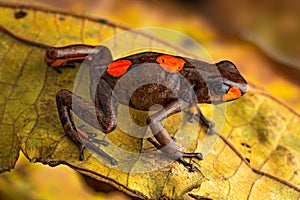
255, 155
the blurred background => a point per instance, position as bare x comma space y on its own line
261, 37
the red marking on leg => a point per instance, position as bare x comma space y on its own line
62, 61
81, 132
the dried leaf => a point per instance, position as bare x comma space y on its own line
256, 156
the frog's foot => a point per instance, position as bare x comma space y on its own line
102, 142
91, 136
191, 167
88, 140
183, 155
97, 150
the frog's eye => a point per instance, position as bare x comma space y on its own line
219, 89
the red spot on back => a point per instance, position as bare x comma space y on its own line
170, 63
118, 67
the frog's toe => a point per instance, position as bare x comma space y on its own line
91, 136
102, 142
193, 155
113, 162
191, 167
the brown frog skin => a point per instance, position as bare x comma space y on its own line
174, 82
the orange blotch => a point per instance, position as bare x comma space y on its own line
62, 62
233, 93
118, 68
81, 132
170, 63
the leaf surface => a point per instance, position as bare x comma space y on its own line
255, 156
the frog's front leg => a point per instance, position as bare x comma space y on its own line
66, 101
165, 142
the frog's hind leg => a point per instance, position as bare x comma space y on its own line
98, 63
67, 101
165, 142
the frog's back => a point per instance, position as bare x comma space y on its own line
121, 66
147, 78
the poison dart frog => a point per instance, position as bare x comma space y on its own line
176, 83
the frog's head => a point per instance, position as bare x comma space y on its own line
229, 85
